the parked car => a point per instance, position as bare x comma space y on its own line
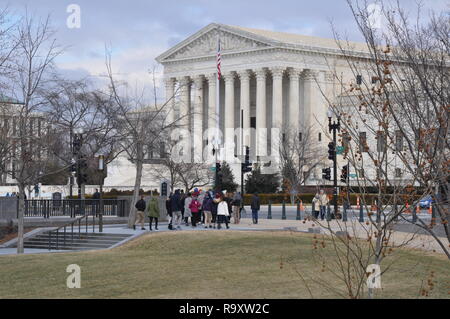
426, 201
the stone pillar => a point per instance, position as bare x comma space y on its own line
310, 97
184, 101
197, 116
245, 103
294, 99
229, 111
261, 127
170, 100
212, 101
277, 97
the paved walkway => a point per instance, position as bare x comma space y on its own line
417, 241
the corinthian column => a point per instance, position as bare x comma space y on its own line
261, 127
197, 123
245, 103
294, 99
212, 101
229, 112
170, 100
277, 98
310, 96
184, 101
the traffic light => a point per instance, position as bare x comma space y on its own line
326, 173
344, 173
247, 166
331, 151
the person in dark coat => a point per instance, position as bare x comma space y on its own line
255, 206
140, 217
207, 209
176, 205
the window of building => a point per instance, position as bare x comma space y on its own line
361, 172
320, 137
398, 141
253, 122
363, 147
300, 137
398, 172
381, 142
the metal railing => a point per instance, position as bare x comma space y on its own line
70, 225
73, 207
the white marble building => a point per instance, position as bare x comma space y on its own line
277, 80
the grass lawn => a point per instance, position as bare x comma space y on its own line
220, 264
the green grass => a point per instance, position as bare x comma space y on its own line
221, 264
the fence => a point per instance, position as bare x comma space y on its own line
74, 207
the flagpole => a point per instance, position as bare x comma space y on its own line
217, 138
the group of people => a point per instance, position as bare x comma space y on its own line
208, 208
211, 209
320, 202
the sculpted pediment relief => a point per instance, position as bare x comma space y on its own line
207, 44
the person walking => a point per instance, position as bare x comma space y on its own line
255, 206
236, 203
187, 210
175, 203
323, 202
207, 209
222, 212
140, 206
96, 203
315, 206
215, 201
169, 209
153, 212
194, 207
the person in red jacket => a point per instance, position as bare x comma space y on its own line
194, 206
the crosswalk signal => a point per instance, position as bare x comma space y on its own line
326, 173
331, 151
247, 166
344, 174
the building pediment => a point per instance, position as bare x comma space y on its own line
204, 43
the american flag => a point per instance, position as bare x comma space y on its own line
219, 73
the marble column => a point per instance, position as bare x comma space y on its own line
184, 101
170, 100
294, 99
277, 97
310, 97
197, 116
228, 132
245, 103
212, 101
261, 125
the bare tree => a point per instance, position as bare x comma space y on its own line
299, 157
30, 67
140, 123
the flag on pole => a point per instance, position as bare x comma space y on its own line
219, 74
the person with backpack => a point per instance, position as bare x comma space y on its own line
222, 211
194, 207
255, 206
140, 218
153, 212
207, 209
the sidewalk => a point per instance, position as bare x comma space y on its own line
424, 242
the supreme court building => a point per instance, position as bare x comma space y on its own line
275, 80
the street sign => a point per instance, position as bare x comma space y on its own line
213, 168
339, 150
352, 175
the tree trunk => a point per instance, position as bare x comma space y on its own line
20, 217
137, 187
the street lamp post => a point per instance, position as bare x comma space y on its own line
333, 127
101, 168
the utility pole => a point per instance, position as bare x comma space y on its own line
333, 127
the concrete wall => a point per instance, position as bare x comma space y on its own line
8, 208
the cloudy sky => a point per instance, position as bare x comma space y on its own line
139, 30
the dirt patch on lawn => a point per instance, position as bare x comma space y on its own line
8, 234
